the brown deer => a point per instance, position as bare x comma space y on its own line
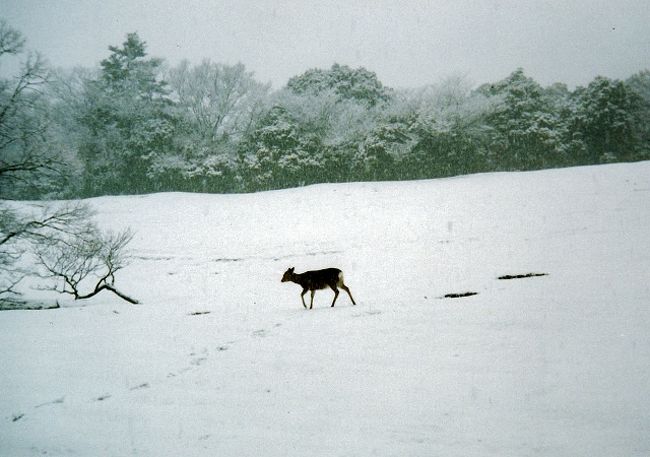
316, 280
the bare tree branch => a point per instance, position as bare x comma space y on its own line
25, 156
32, 76
68, 219
23, 232
11, 40
87, 260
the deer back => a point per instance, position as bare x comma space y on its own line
318, 279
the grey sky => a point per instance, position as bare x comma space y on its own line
408, 43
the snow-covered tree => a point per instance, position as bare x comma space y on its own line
640, 84
449, 129
380, 151
278, 154
126, 121
216, 106
607, 115
222, 101
28, 164
525, 122
359, 84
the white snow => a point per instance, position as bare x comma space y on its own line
556, 365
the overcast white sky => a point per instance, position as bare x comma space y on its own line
408, 43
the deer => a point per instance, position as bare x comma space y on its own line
316, 280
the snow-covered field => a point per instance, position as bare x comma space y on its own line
555, 365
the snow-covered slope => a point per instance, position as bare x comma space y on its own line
221, 358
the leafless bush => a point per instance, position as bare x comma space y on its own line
85, 266
67, 245
22, 231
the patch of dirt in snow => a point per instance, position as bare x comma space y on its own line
521, 276
460, 295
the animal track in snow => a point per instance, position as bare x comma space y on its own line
197, 358
367, 313
53, 402
198, 361
144, 385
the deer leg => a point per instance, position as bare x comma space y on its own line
345, 288
336, 294
302, 297
311, 305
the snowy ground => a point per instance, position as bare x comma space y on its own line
555, 365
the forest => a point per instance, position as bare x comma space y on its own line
135, 124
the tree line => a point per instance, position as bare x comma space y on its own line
136, 125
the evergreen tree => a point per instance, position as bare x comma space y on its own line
607, 115
279, 155
450, 130
126, 120
525, 123
640, 84
359, 84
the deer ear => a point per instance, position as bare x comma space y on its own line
291, 269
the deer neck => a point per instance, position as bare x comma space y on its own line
295, 277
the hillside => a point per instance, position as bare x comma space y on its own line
221, 358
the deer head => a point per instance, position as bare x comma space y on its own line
288, 275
